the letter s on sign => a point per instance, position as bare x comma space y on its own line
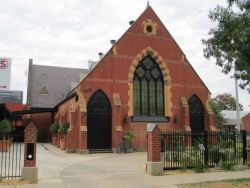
3, 64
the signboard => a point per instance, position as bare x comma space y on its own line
11, 96
5, 73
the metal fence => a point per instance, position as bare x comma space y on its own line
188, 149
11, 156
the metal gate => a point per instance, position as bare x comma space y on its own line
11, 156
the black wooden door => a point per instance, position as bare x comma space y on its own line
99, 122
196, 114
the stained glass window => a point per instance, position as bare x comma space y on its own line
148, 89
137, 96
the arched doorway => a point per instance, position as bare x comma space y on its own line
196, 114
99, 122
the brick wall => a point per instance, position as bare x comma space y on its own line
111, 76
246, 122
42, 122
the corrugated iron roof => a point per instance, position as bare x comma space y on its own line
231, 114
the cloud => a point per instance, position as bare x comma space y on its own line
69, 33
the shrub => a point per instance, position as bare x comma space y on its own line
227, 165
199, 167
64, 127
5, 126
54, 127
216, 154
187, 161
129, 136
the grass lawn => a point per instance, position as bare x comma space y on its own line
238, 183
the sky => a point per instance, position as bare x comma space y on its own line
69, 33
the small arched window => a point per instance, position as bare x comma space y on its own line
148, 89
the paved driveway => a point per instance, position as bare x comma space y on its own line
90, 170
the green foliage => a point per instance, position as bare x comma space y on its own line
187, 161
177, 147
54, 127
42, 136
129, 136
214, 154
198, 164
227, 165
217, 113
158, 173
229, 41
199, 167
64, 127
5, 126
188, 158
226, 101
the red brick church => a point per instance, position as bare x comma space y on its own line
144, 78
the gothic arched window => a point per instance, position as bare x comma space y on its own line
148, 89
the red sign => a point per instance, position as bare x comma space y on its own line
3, 64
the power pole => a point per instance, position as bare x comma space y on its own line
237, 100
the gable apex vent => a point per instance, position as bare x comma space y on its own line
44, 91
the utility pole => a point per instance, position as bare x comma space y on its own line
237, 100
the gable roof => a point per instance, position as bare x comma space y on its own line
48, 85
148, 9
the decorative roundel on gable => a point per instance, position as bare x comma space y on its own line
149, 27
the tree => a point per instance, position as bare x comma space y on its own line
226, 101
218, 117
229, 41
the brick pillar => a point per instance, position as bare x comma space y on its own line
72, 134
117, 127
30, 171
154, 164
59, 136
185, 111
83, 133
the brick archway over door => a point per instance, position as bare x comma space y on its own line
196, 114
99, 122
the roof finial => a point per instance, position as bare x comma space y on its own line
147, 3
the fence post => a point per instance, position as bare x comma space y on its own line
244, 150
206, 147
30, 171
154, 163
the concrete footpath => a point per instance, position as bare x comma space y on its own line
61, 170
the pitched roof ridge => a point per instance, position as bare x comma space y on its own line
53, 66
